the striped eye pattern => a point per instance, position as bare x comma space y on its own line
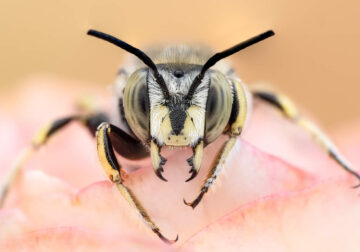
218, 106
136, 104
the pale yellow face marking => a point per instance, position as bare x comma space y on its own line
158, 125
161, 129
170, 139
180, 140
174, 140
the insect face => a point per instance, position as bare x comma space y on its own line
174, 120
178, 120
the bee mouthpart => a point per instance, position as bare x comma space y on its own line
177, 140
159, 174
193, 171
160, 170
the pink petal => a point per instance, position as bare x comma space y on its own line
270, 131
250, 174
348, 139
49, 197
323, 218
78, 239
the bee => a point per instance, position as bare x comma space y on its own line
176, 96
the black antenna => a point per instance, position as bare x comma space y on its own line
220, 55
138, 53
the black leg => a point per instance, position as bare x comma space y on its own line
236, 125
40, 139
105, 134
289, 110
124, 144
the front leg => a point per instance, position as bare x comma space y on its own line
236, 124
290, 111
157, 160
216, 169
91, 121
195, 160
105, 133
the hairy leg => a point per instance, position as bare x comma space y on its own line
91, 121
235, 127
290, 111
113, 169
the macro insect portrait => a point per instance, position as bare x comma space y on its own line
176, 96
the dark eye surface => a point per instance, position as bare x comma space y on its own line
136, 104
212, 101
218, 106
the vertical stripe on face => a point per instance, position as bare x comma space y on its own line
192, 127
177, 119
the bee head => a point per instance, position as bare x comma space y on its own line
177, 120
177, 104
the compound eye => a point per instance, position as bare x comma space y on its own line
136, 104
218, 106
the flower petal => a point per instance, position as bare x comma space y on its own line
249, 174
324, 218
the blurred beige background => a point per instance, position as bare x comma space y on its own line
314, 57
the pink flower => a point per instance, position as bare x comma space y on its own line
278, 191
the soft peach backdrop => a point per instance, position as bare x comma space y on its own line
314, 56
